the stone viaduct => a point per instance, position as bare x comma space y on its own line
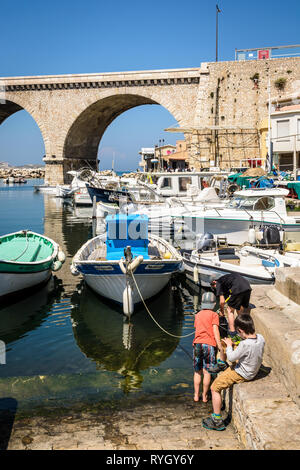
73, 111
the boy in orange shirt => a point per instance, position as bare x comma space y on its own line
206, 341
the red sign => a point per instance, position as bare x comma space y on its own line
264, 54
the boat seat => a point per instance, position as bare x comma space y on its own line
36, 252
227, 255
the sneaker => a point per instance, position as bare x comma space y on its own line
215, 424
218, 367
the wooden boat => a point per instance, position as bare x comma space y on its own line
125, 268
26, 260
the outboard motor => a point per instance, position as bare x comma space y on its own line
205, 242
271, 235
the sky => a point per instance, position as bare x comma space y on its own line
69, 37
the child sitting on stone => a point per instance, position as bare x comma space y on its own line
248, 355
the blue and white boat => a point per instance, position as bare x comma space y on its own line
126, 264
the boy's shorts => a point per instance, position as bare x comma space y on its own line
204, 356
226, 379
240, 300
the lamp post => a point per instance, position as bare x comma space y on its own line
161, 143
217, 25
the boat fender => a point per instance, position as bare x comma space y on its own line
74, 270
167, 255
196, 275
56, 265
135, 263
128, 305
252, 236
61, 256
259, 235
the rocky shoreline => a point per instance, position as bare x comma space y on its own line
20, 175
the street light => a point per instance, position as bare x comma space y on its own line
161, 143
217, 12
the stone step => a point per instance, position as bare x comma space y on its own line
264, 415
266, 411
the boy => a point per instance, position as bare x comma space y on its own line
234, 290
207, 338
249, 355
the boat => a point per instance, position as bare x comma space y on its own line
245, 213
45, 188
27, 259
126, 264
211, 261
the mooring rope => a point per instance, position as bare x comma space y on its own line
147, 309
27, 244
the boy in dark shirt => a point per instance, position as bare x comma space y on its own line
234, 290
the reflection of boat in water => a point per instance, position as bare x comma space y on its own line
28, 314
128, 348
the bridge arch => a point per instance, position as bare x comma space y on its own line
9, 106
84, 135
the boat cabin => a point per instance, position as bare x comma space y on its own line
184, 183
260, 200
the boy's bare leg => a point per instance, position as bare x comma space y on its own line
230, 318
206, 384
197, 383
216, 402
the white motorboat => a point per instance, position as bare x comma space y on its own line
125, 264
256, 264
45, 188
243, 215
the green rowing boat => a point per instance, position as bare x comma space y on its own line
27, 259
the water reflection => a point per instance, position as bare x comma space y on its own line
26, 315
126, 347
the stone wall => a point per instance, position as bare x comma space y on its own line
73, 111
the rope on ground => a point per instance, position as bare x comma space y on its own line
165, 331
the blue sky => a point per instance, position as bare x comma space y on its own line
59, 37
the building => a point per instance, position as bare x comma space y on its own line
177, 157
285, 134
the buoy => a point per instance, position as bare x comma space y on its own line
196, 275
167, 255
252, 236
56, 265
128, 305
61, 256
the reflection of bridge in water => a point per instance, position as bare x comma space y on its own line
70, 233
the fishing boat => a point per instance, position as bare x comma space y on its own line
27, 259
211, 261
126, 264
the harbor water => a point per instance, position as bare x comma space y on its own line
66, 345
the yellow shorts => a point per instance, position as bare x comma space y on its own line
226, 379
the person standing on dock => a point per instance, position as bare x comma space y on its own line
206, 341
234, 290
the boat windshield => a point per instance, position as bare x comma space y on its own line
253, 203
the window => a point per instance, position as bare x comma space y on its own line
167, 183
283, 129
298, 129
264, 204
183, 182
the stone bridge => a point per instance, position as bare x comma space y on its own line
73, 111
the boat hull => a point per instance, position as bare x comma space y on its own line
209, 272
10, 283
112, 287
